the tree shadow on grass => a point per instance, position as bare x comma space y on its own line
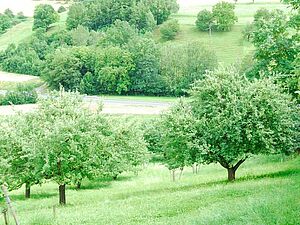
283, 173
21, 197
99, 183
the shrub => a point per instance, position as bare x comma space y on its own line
23, 95
44, 15
169, 29
61, 9
205, 20
224, 15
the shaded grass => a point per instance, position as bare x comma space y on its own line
266, 192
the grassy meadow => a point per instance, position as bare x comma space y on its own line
266, 192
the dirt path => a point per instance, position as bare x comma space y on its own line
12, 77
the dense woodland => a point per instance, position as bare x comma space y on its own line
227, 114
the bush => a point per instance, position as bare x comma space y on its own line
205, 20
224, 15
61, 9
23, 95
22, 59
169, 29
44, 15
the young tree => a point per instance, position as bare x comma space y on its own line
205, 20
178, 137
44, 16
237, 118
224, 15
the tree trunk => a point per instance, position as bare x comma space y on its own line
27, 190
62, 194
78, 185
231, 174
173, 175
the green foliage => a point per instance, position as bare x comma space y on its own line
143, 15
44, 16
162, 9
182, 64
145, 78
276, 43
5, 23
169, 29
22, 59
76, 15
67, 67
224, 15
238, 118
178, 135
112, 69
142, 18
22, 95
119, 34
205, 20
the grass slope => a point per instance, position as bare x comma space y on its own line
266, 192
230, 47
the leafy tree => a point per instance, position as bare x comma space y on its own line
145, 77
142, 18
119, 34
178, 135
276, 43
22, 59
72, 140
128, 149
237, 118
182, 64
80, 36
224, 15
169, 29
76, 15
205, 20
112, 69
162, 9
44, 16
22, 163
67, 67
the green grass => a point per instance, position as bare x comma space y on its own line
267, 191
230, 47
12, 86
17, 34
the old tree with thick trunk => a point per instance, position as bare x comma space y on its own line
232, 119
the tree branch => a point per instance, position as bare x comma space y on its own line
239, 163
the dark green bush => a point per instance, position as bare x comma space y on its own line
61, 9
23, 95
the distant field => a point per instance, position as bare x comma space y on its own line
266, 192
